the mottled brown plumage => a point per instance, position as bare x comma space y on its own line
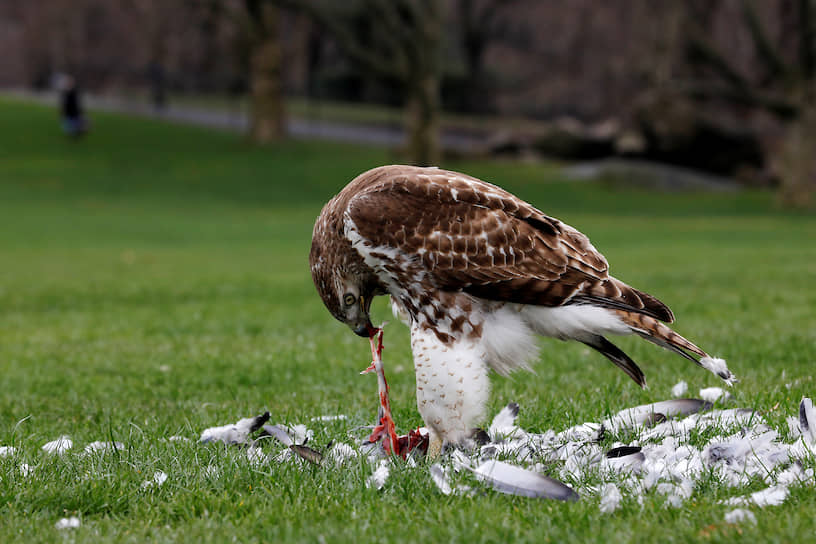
473, 269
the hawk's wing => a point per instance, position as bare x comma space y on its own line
472, 236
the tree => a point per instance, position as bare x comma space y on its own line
398, 41
784, 85
267, 122
480, 24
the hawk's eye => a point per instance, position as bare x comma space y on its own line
349, 299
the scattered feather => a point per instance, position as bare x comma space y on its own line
714, 394
256, 456
338, 417
341, 452
307, 453
236, 433
280, 433
610, 498
103, 447
645, 414
289, 435
807, 420
624, 459
158, 479
460, 461
676, 494
514, 480
584, 432
503, 425
380, 475
665, 455
26, 470
771, 496
58, 446
440, 477
679, 389
792, 475
178, 439
623, 451
740, 515
300, 433
794, 427
67, 523
7, 451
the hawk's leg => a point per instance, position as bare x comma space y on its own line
385, 429
434, 446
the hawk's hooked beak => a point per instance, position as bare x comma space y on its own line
365, 329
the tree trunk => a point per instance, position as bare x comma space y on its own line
422, 121
797, 163
268, 122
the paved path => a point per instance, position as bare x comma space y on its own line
236, 120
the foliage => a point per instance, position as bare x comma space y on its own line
154, 283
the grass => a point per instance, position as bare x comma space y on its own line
338, 111
154, 282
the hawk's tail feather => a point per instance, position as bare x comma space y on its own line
659, 334
613, 294
618, 357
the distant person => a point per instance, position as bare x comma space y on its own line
73, 119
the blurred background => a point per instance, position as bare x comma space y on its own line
712, 93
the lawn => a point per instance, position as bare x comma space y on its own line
154, 282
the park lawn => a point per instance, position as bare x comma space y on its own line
154, 282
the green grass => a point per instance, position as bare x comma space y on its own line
154, 282
349, 112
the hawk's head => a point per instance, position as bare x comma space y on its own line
345, 283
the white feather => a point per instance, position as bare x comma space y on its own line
772, 496
740, 515
341, 452
379, 476
503, 425
158, 479
679, 389
68, 523
508, 339
713, 394
58, 446
513, 480
610, 498
399, 312
103, 447
440, 477
807, 420
576, 321
718, 367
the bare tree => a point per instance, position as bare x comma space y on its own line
783, 84
267, 121
398, 41
482, 23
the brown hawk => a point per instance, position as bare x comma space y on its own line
476, 273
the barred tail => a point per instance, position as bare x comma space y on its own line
657, 333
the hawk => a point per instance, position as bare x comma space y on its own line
476, 273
